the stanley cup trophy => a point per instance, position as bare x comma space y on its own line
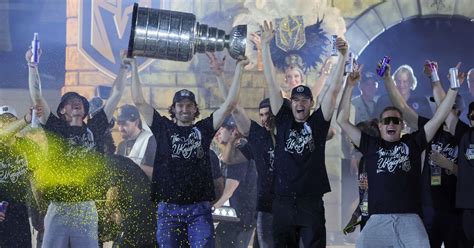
172, 35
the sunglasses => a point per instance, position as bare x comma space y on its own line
394, 120
471, 117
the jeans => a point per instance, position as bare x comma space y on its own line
71, 224
393, 230
187, 225
264, 229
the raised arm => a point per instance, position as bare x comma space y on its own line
440, 115
11, 129
34, 85
439, 94
343, 114
232, 98
146, 110
117, 88
397, 99
328, 103
276, 99
241, 119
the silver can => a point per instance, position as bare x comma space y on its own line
453, 78
172, 35
34, 119
349, 65
334, 47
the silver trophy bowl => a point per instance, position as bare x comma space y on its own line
172, 35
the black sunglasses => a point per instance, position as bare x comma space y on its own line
471, 117
394, 120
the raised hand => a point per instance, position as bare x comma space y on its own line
354, 76
267, 32
29, 54
341, 45
255, 38
217, 65
387, 73
427, 67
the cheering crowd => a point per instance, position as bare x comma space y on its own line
161, 185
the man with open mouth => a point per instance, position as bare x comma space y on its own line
394, 171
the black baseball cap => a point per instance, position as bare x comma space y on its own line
302, 90
229, 122
128, 113
69, 95
265, 103
184, 94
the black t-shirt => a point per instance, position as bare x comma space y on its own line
394, 172
261, 149
126, 146
138, 211
441, 197
465, 183
215, 165
244, 198
300, 168
14, 184
75, 169
182, 170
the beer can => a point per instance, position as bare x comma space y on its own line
383, 67
349, 65
434, 72
453, 78
34, 119
35, 46
334, 47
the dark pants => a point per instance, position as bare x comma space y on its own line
299, 218
264, 229
442, 227
15, 229
233, 234
185, 225
468, 225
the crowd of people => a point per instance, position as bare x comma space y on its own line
161, 185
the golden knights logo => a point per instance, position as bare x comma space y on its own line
290, 33
104, 30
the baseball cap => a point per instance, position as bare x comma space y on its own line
458, 103
5, 109
302, 90
128, 113
265, 103
367, 76
229, 123
69, 95
184, 94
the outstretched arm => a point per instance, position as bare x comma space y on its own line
146, 110
328, 103
439, 93
397, 99
118, 88
34, 85
241, 119
232, 98
440, 115
345, 107
276, 99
